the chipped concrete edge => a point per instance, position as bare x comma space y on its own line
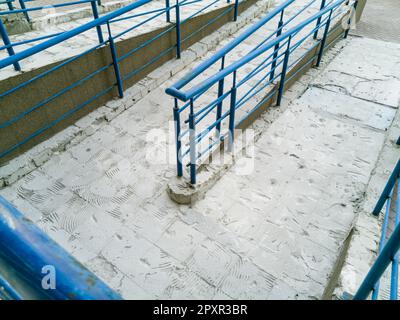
364, 242
34, 158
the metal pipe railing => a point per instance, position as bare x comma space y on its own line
176, 91
283, 44
120, 76
388, 249
70, 34
28, 249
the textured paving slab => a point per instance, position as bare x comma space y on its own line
380, 21
274, 233
369, 70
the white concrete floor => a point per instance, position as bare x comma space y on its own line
275, 233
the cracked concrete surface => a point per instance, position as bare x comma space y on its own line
273, 234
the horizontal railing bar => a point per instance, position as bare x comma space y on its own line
380, 265
15, 44
208, 23
27, 249
8, 288
204, 85
51, 124
222, 52
46, 7
69, 34
48, 71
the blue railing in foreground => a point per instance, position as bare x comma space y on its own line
388, 246
266, 63
30, 251
108, 20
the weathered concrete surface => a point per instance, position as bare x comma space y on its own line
376, 79
140, 65
274, 233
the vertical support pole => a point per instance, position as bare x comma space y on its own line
382, 241
346, 33
323, 41
232, 110
115, 63
323, 2
96, 16
276, 48
388, 188
7, 42
10, 5
23, 7
178, 30
220, 93
398, 141
236, 10
283, 74
394, 283
192, 143
167, 11
177, 122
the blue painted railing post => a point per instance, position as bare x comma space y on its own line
276, 48
178, 30
319, 20
115, 63
22, 4
192, 144
380, 265
96, 16
177, 122
220, 93
323, 41
388, 188
236, 10
232, 110
7, 42
394, 282
352, 15
167, 11
283, 74
9, 290
10, 5
382, 241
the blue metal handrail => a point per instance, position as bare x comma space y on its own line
282, 45
179, 4
388, 249
3, 32
28, 249
108, 20
25, 10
